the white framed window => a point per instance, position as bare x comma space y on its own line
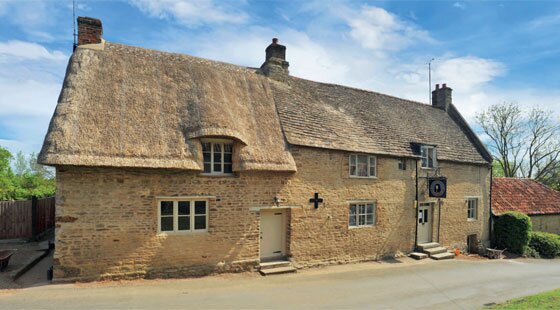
362, 166
429, 156
361, 214
472, 208
217, 155
182, 215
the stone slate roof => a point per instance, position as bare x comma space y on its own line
523, 195
338, 117
126, 106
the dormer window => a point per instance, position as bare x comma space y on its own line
429, 158
217, 156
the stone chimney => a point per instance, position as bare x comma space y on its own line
90, 30
275, 65
441, 97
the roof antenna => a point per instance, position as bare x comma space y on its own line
74, 24
430, 80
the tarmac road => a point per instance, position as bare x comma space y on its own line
453, 284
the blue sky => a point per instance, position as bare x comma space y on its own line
487, 51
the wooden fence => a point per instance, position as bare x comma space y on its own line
26, 218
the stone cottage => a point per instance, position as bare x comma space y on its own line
168, 165
539, 202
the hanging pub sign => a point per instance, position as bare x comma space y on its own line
437, 187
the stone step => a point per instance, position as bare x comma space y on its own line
440, 256
275, 264
418, 255
433, 251
429, 245
278, 270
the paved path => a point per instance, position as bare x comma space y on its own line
455, 284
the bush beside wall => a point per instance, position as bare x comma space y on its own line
546, 244
512, 231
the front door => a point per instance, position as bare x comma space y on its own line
272, 234
424, 223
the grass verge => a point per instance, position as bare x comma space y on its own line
548, 300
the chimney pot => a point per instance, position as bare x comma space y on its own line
275, 64
274, 40
90, 30
437, 86
444, 85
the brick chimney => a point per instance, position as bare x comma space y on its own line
275, 65
441, 97
90, 30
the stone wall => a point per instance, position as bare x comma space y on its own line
549, 223
107, 218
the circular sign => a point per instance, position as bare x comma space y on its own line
437, 188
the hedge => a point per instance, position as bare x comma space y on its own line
512, 231
546, 244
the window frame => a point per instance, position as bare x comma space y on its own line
369, 158
357, 214
475, 208
192, 215
434, 160
222, 143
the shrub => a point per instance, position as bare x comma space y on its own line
512, 231
546, 244
530, 252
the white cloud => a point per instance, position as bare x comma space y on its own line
375, 28
28, 50
544, 21
192, 13
459, 5
467, 73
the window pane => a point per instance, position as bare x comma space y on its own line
352, 220
167, 223
370, 219
199, 222
372, 166
200, 207
227, 158
166, 208
362, 209
184, 208
362, 166
217, 148
228, 148
206, 147
207, 168
430, 158
352, 209
207, 157
369, 208
228, 168
184, 222
217, 167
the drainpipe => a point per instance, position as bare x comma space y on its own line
490, 222
416, 231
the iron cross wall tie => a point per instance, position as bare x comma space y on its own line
316, 200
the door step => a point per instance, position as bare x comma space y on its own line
276, 267
440, 256
433, 251
418, 255
429, 245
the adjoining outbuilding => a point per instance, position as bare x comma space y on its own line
539, 202
169, 165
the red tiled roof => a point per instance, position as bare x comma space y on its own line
523, 195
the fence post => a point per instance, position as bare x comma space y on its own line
34, 216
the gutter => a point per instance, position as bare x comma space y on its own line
490, 222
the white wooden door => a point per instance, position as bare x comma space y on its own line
424, 223
272, 234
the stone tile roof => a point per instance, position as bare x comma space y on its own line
126, 106
338, 117
523, 195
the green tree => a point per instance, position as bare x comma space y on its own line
6, 174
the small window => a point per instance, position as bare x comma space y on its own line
428, 154
182, 215
217, 157
402, 164
363, 166
361, 215
472, 207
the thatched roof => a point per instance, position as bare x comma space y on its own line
125, 106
